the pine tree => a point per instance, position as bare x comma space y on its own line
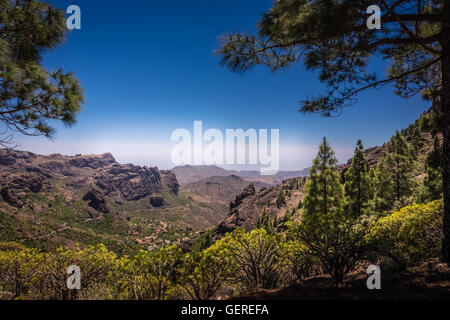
275, 222
331, 37
264, 222
30, 95
287, 217
359, 183
325, 196
432, 183
416, 139
281, 200
395, 181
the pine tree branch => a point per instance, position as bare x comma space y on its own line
382, 82
408, 31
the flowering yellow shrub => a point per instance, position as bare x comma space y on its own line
412, 234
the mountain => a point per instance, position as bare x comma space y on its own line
190, 174
47, 201
250, 205
219, 189
24, 172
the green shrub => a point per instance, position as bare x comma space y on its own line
150, 275
204, 273
255, 258
335, 246
299, 262
410, 235
19, 270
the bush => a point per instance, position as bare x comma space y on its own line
337, 245
299, 263
256, 258
150, 275
204, 273
19, 270
95, 263
410, 235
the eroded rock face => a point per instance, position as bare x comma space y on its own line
245, 210
93, 161
13, 184
170, 180
96, 200
157, 201
23, 172
11, 198
94, 214
248, 191
26, 183
130, 181
7, 159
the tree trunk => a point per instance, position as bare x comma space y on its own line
445, 107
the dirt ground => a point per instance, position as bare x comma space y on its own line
429, 281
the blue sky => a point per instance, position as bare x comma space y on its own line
148, 68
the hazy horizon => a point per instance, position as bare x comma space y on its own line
148, 76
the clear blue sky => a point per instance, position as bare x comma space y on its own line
148, 68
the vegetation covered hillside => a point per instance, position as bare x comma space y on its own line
318, 232
48, 201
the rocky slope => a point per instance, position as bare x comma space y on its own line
24, 172
46, 201
220, 189
191, 174
250, 205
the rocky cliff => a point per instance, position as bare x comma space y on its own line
249, 206
101, 175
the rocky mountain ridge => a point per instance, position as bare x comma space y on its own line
23, 172
190, 174
250, 205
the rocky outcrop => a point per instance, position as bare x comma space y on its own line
92, 161
25, 183
7, 158
249, 191
94, 214
249, 206
11, 198
96, 200
23, 172
170, 180
245, 210
129, 181
157, 201
13, 184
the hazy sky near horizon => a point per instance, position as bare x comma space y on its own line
148, 68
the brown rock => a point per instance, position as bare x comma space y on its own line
93, 161
94, 214
130, 181
248, 191
11, 198
170, 180
157, 201
96, 200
